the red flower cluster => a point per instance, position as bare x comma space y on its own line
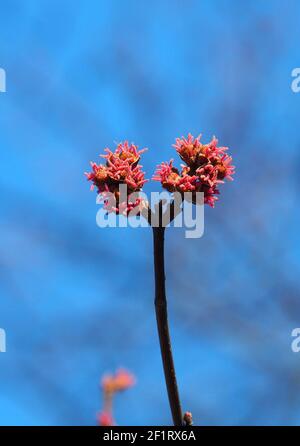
105, 419
206, 167
112, 384
122, 380
121, 167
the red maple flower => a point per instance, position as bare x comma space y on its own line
105, 419
207, 165
122, 380
121, 168
111, 384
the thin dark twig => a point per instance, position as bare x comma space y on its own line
162, 325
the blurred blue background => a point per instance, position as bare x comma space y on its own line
77, 301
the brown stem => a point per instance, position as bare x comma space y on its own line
162, 325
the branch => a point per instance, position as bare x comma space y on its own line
162, 325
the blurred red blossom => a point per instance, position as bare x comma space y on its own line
207, 166
121, 167
122, 380
105, 419
111, 384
